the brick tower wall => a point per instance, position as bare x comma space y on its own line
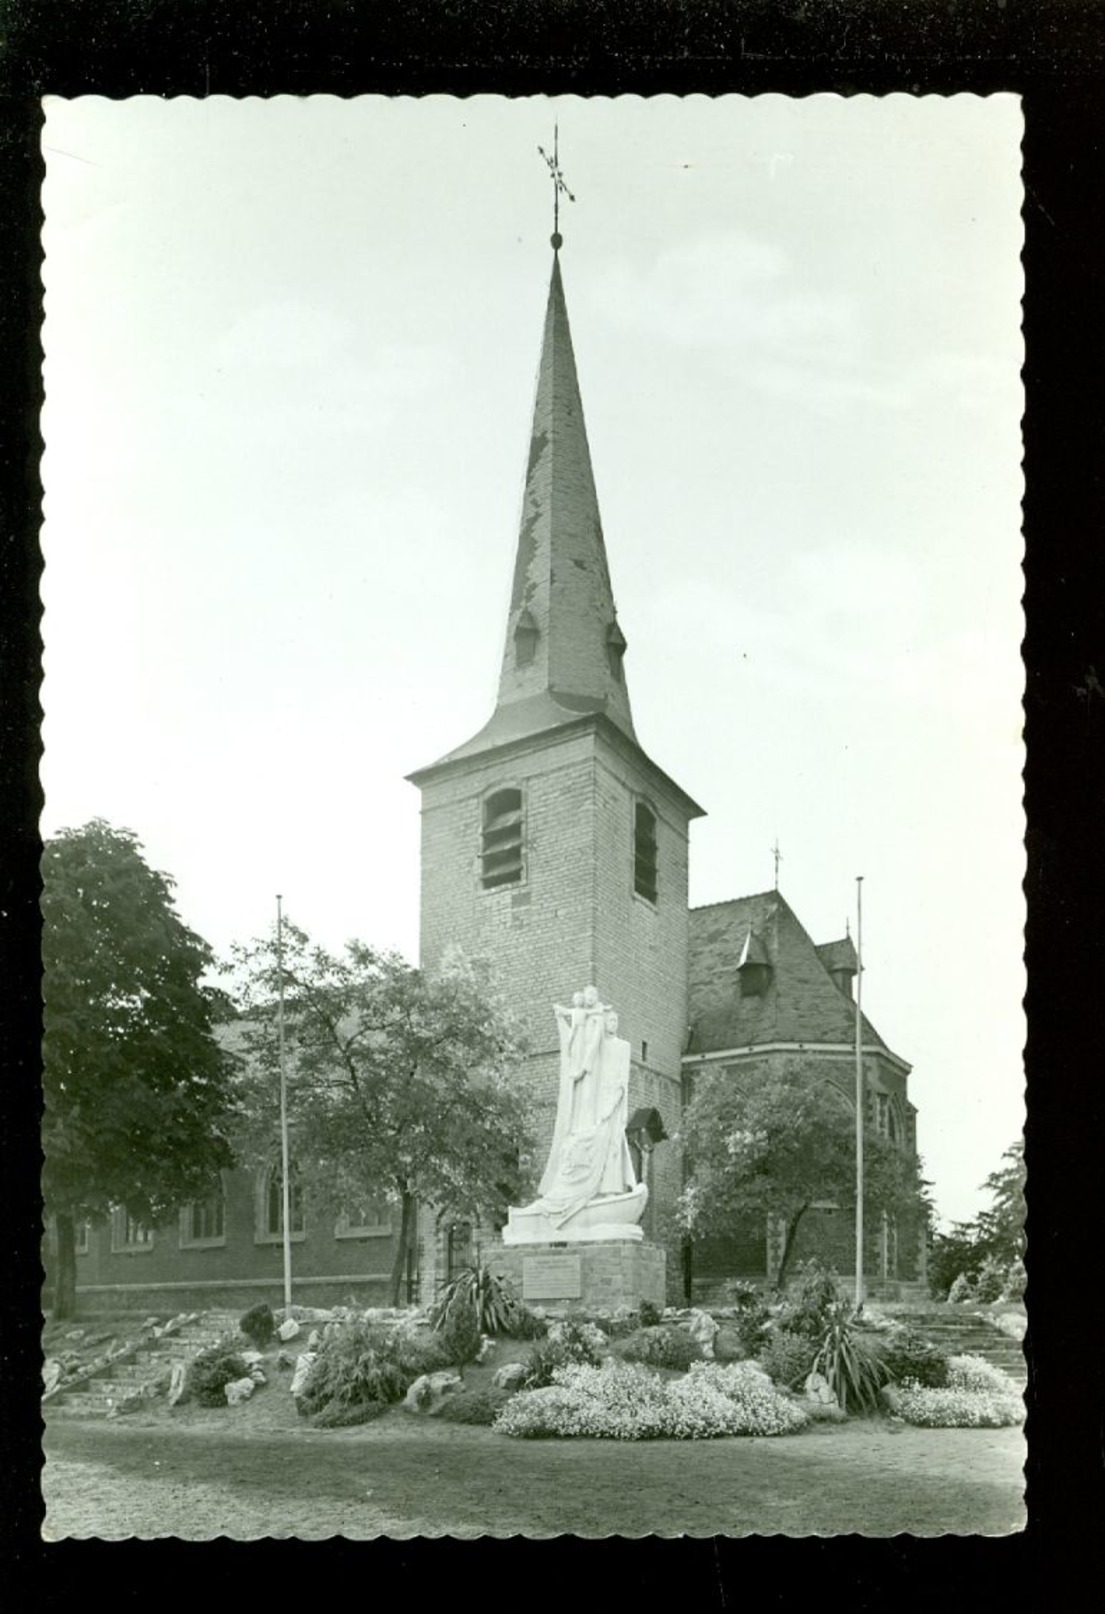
573, 919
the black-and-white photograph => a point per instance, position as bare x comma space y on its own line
532, 909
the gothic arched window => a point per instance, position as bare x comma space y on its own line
501, 844
270, 1204
644, 852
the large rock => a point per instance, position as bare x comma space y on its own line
510, 1377
251, 1357
51, 1375
819, 1390
704, 1329
287, 1330
178, 1376
428, 1393
302, 1371
238, 1392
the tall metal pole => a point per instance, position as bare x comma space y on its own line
285, 1166
859, 1092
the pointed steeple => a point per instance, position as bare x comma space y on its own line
564, 645
563, 639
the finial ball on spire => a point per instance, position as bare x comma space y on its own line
557, 241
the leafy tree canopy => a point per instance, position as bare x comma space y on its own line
138, 1102
397, 1080
995, 1237
776, 1143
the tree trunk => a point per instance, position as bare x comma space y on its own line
406, 1233
65, 1267
788, 1246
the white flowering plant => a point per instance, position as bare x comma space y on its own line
624, 1401
977, 1395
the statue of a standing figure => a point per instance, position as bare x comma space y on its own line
589, 1190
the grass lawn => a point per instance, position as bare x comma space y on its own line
258, 1470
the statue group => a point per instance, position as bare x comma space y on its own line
589, 1190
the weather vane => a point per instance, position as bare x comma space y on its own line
778, 856
559, 185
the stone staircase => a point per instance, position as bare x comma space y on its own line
142, 1373
961, 1330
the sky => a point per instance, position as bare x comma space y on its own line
291, 350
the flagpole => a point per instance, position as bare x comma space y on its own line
285, 1166
859, 1093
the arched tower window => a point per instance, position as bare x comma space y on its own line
644, 852
501, 847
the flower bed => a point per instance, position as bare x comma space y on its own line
620, 1400
977, 1394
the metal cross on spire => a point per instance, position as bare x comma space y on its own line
778, 856
559, 185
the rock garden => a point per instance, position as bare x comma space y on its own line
482, 1357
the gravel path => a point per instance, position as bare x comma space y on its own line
254, 1471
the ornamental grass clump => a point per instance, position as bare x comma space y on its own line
623, 1401
977, 1395
493, 1298
853, 1370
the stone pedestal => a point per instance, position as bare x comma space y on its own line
593, 1275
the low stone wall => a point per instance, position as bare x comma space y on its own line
611, 1275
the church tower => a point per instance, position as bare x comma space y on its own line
552, 845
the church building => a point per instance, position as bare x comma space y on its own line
555, 847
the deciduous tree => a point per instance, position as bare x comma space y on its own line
138, 1103
398, 1080
776, 1143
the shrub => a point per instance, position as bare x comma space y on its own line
362, 1364
961, 1289
991, 1282
459, 1332
648, 1314
491, 1296
752, 1316
909, 1357
977, 1395
810, 1301
211, 1370
976, 1375
526, 1326
623, 1401
258, 1325
622, 1323
473, 1409
787, 1357
568, 1343
338, 1414
854, 1372
672, 1347
1016, 1279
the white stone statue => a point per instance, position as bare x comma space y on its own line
589, 1191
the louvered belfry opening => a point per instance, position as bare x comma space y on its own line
644, 852
502, 838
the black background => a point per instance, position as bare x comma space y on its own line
1053, 55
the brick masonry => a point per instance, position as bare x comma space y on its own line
574, 918
614, 1275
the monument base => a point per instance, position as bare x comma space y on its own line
594, 1275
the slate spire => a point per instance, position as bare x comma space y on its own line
563, 639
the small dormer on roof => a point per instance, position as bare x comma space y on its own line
754, 965
840, 960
